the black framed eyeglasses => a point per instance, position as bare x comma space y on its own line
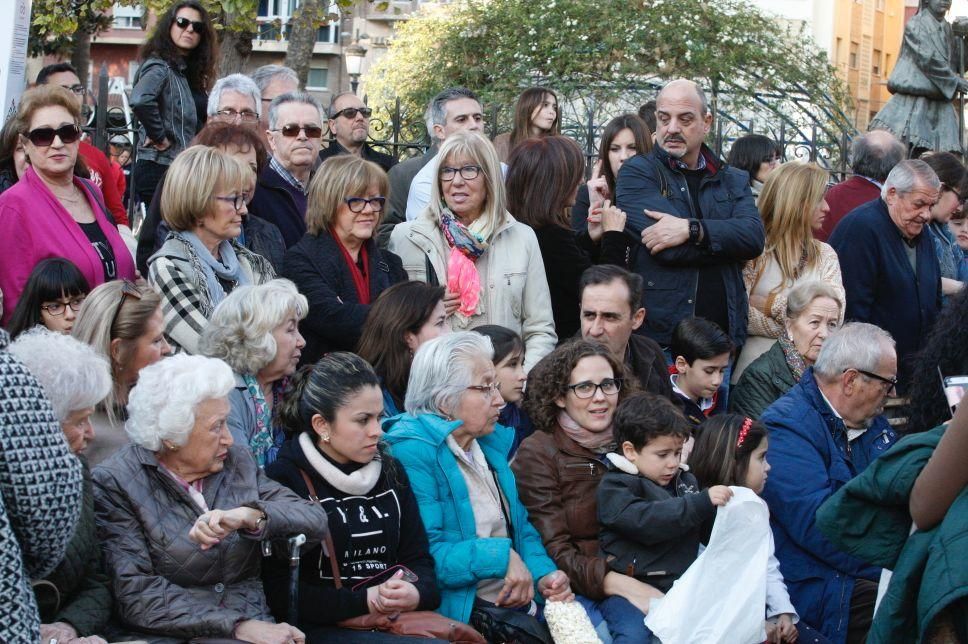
351, 112
609, 387
79, 90
58, 309
197, 25
357, 204
873, 376
961, 198
44, 136
246, 116
237, 201
468, 172
291, 130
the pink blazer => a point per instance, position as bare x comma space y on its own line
35, 226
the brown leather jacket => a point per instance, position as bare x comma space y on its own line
557, 482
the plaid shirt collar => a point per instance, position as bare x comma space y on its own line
701, 165
285, 174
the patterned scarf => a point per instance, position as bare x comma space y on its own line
793, 358
266, 441
466, 246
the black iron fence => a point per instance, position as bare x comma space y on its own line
403, 134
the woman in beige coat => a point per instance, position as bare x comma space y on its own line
467, 241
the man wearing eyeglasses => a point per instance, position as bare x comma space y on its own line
349, 123
825, 431
64, 75
295, 135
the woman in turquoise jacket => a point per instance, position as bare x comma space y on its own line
486, 551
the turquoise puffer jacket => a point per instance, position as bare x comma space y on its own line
462, 559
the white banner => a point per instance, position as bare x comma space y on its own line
13, 56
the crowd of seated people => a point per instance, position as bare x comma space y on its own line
477, 409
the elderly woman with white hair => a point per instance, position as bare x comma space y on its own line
467, 241
489, 558
74, 600
255, 330
181, 512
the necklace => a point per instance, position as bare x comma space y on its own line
76, 197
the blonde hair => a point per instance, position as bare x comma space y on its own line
477, 148
787, 202
42, 96
108, 314
192, 181
342, 176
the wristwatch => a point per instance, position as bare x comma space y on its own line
695, 232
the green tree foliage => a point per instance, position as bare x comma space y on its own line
602, 51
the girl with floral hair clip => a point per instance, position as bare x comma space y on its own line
731, 450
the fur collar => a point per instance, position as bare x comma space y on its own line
621, 463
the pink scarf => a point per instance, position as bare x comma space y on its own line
594, 441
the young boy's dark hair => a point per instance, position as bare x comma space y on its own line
644, 416
698, 338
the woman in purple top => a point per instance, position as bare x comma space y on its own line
50, 212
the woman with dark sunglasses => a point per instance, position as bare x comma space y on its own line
337, 264
170, 90
954, 184
50, 212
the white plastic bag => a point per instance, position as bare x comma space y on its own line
721, 598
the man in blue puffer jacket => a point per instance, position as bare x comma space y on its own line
824, 432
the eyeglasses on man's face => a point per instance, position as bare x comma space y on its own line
228, 114
351, 112
890, 382
291, 130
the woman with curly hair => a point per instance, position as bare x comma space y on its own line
571, 397
169, 97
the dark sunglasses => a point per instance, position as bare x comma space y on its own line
357, 204
197, 26
44, 136
292, 130
961, 198
351, 112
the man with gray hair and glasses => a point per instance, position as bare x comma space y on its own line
295, 136
235, 99
888, 263
826, 430
872, 157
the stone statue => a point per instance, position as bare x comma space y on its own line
925, 81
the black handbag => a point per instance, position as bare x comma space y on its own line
505, 625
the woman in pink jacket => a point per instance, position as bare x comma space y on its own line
50, 212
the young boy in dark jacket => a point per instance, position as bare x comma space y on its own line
652, 512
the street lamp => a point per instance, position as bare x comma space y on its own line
354, 55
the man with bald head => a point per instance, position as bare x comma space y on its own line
696, 217
872, 157
349, 125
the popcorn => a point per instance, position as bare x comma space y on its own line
569, 624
